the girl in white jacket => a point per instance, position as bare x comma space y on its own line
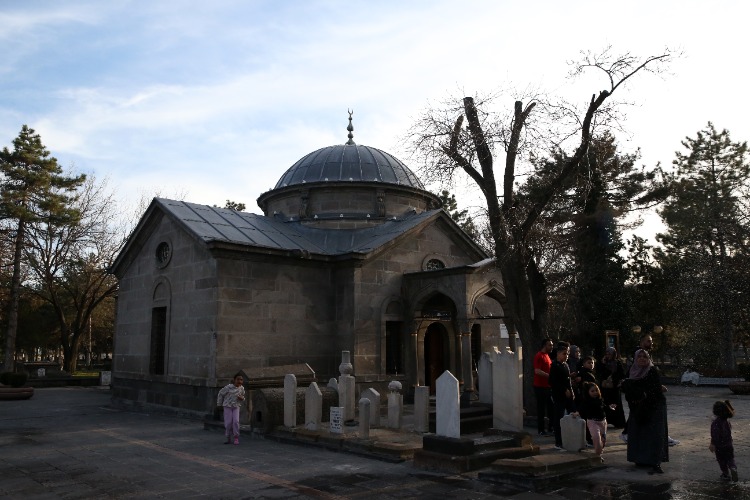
231, 397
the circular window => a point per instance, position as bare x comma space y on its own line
433, 264
163, 254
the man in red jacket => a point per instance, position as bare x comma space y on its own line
542, 363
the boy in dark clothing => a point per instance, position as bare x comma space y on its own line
562, 390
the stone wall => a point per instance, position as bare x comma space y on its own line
274, 311
186, 285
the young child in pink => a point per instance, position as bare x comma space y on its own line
721, 439
591, 407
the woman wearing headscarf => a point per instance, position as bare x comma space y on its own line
610, 373
647, 427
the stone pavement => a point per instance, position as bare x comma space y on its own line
68, 443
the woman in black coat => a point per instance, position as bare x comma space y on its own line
647, 427
610, 373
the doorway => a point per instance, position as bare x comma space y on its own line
435, 353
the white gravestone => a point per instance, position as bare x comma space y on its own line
347, 386
313, 407
41, 372
336, 421
364, 418
290, 400
507, 389
422, 408
333, 384
374, 397
484, 378
105, 377
395, 405
447, 406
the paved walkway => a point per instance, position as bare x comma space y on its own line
68, 443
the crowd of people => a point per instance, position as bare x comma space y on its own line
566, 382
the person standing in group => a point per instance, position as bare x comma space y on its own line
647, 344
610, 373
592, 408
231, 397
562, 390
647, 425
542, 364
721, 439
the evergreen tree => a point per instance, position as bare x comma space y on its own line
460, 217
585, 269
33, 190
705, 246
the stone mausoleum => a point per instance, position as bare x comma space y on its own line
351, 254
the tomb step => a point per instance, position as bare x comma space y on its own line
535, 472
459, 463
476, 418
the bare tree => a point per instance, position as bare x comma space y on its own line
450, 147
69, 264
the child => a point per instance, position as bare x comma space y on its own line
231, 397
721, 439
591, 407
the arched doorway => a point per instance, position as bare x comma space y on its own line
435, 353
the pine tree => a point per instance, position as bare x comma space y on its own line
707, 235
33, 190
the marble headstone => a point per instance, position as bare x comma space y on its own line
447, 406
313, 407
484, 378
422, 408
290, 400
507, 389
374, 397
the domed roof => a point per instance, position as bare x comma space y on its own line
349, 162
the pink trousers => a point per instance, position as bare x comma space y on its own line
231, 422
598, 431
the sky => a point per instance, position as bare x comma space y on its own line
213, 101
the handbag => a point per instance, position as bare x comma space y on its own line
607, 383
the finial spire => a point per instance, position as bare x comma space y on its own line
350, 128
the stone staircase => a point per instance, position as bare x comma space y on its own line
476, 418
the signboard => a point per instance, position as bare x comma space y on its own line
612, 339
337, 419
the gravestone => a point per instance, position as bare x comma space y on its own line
447, 406
395, 405
374, 397
484, 378
336, 420
347, 386
105, 377
507, 389
422, 408
364, 418
41, 372
313, 407
333, 384
290, 400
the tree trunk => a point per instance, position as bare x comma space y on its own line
15, 295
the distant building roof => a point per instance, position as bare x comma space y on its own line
347, 163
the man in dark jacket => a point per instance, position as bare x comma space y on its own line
562, 390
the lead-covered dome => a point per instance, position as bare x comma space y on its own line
349, 163
347, 186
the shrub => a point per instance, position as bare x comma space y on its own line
5, 378
743, 370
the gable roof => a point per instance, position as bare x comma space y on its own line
220, 227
